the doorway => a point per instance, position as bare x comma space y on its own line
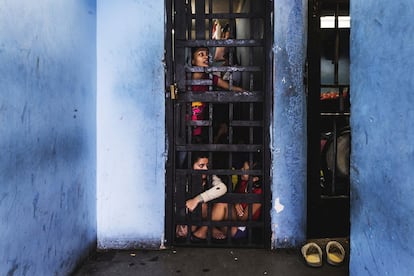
328, 119
234, 126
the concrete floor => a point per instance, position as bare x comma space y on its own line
206, 261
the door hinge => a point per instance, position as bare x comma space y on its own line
173, 91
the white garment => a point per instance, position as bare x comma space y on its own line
218, 189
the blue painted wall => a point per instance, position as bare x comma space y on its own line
48, 136
131, 124
49, 142
289, 124
382, 157
131, 134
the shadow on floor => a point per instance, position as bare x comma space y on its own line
206, 261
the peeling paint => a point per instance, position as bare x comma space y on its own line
278, 206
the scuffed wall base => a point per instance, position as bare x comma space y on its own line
127, 244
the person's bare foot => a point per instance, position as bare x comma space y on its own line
181, 231
217, 234
200, 233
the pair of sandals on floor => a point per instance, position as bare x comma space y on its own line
312, 253
217, 235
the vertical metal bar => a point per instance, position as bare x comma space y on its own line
210, 127
169, 110
336, 61
210, 21
180, 34
334, 153
189, 127
200, 24
230, 126
267, 104
189, 21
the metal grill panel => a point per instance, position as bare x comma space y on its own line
245, 116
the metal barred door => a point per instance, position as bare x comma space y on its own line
207, 117
328, 115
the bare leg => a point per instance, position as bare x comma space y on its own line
219, 212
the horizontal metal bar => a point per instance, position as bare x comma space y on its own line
229, 15
231, 123
221, 42
335, 114
221, 96
334, 85
220, 147
251, 223
213, 69
345, 197
217, 172
199, 123
246, 123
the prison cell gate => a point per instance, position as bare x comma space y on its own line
243, 117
